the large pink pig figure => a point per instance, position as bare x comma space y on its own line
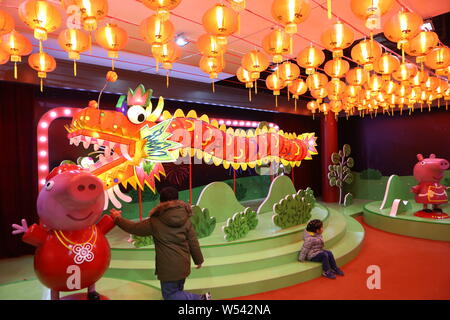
429, 172
72, 250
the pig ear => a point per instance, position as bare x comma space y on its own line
432, 156
420, 157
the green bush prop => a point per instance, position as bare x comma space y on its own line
141, 241
339, 172
240, 224
371, 174
203, 224
294, 209
348, 200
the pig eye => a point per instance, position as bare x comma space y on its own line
422, 163
49, 185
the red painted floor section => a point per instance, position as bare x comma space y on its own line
411, 268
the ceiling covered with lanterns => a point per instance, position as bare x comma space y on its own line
256, 22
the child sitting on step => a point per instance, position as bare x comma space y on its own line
313, 250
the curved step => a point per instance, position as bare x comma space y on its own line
267, 256
274, 277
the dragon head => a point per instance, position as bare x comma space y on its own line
129, 144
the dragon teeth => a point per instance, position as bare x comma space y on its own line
86, 144
96, 147
124, 151
100, 142
88, 139
76, 140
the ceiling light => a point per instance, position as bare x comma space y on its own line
427, 26
181, 40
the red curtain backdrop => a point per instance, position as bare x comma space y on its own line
17, 165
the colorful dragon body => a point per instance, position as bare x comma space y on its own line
136, 139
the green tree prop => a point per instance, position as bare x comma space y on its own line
340, 171
294, 209
203, 224
141, 241
240, 224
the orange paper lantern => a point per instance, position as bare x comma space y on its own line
255, 62
390, 87
421, 44
208, 45
74, 41
288, 72
402, 27
113, 39
244, 76
420, 78
42, 63
17, 45
405, 72
298, 87
386, 64
438, 58
211, 65
4, 56
6, 23
356, 76
310, 58
41, 16
277, 44
156, 31
370, 11
220, 21
275, 83
167, 54
162, 7
290, 13
365, 53
336, 89
336, 68
337, 38
316, 81
92, 11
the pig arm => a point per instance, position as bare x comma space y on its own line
35, 235
415, 189
105, 224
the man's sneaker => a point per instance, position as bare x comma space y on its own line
329, 274
338, 271
207, 296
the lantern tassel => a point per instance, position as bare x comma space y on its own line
167, 78
90, 42
41, 85
112, 64
256, 86
421, 107
276, 101
15, 70
313, 116
213, 89
291, 44
288, 94
75, 68
439, 103
295, 104
250, 94
329, 9
40, 46
446, 105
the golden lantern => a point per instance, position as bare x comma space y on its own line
421, 44
386, 64
208, 45
431, 84
390, 87
312, 106
255, 62
337, 38
444, 72
375, 83
42, 63
6, 23
405, 72
213, 66
156, 31
92, 11
288, 72
366, 52
371, 11
220, 21
336, 89
310, 58
290, 13
74, 41
403, 91
113, 39
402, 27
420, 78
277, 44
438, 58
162, 7
167, 54
319, 94
275, 83
316, 81
297, 88
17, 45
335, 106
336, 68
41, 16
4, 56
325, 108
352, 92
356, 76
244, 76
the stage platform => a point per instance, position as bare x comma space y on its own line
406, 223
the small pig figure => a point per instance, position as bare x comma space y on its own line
429, 172
72, 250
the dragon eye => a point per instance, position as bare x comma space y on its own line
136, 114
49, 185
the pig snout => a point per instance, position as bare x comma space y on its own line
85, 188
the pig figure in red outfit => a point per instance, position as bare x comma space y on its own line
72, 251
429, 172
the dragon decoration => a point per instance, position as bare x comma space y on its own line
134, 140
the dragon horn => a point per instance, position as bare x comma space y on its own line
157, 112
